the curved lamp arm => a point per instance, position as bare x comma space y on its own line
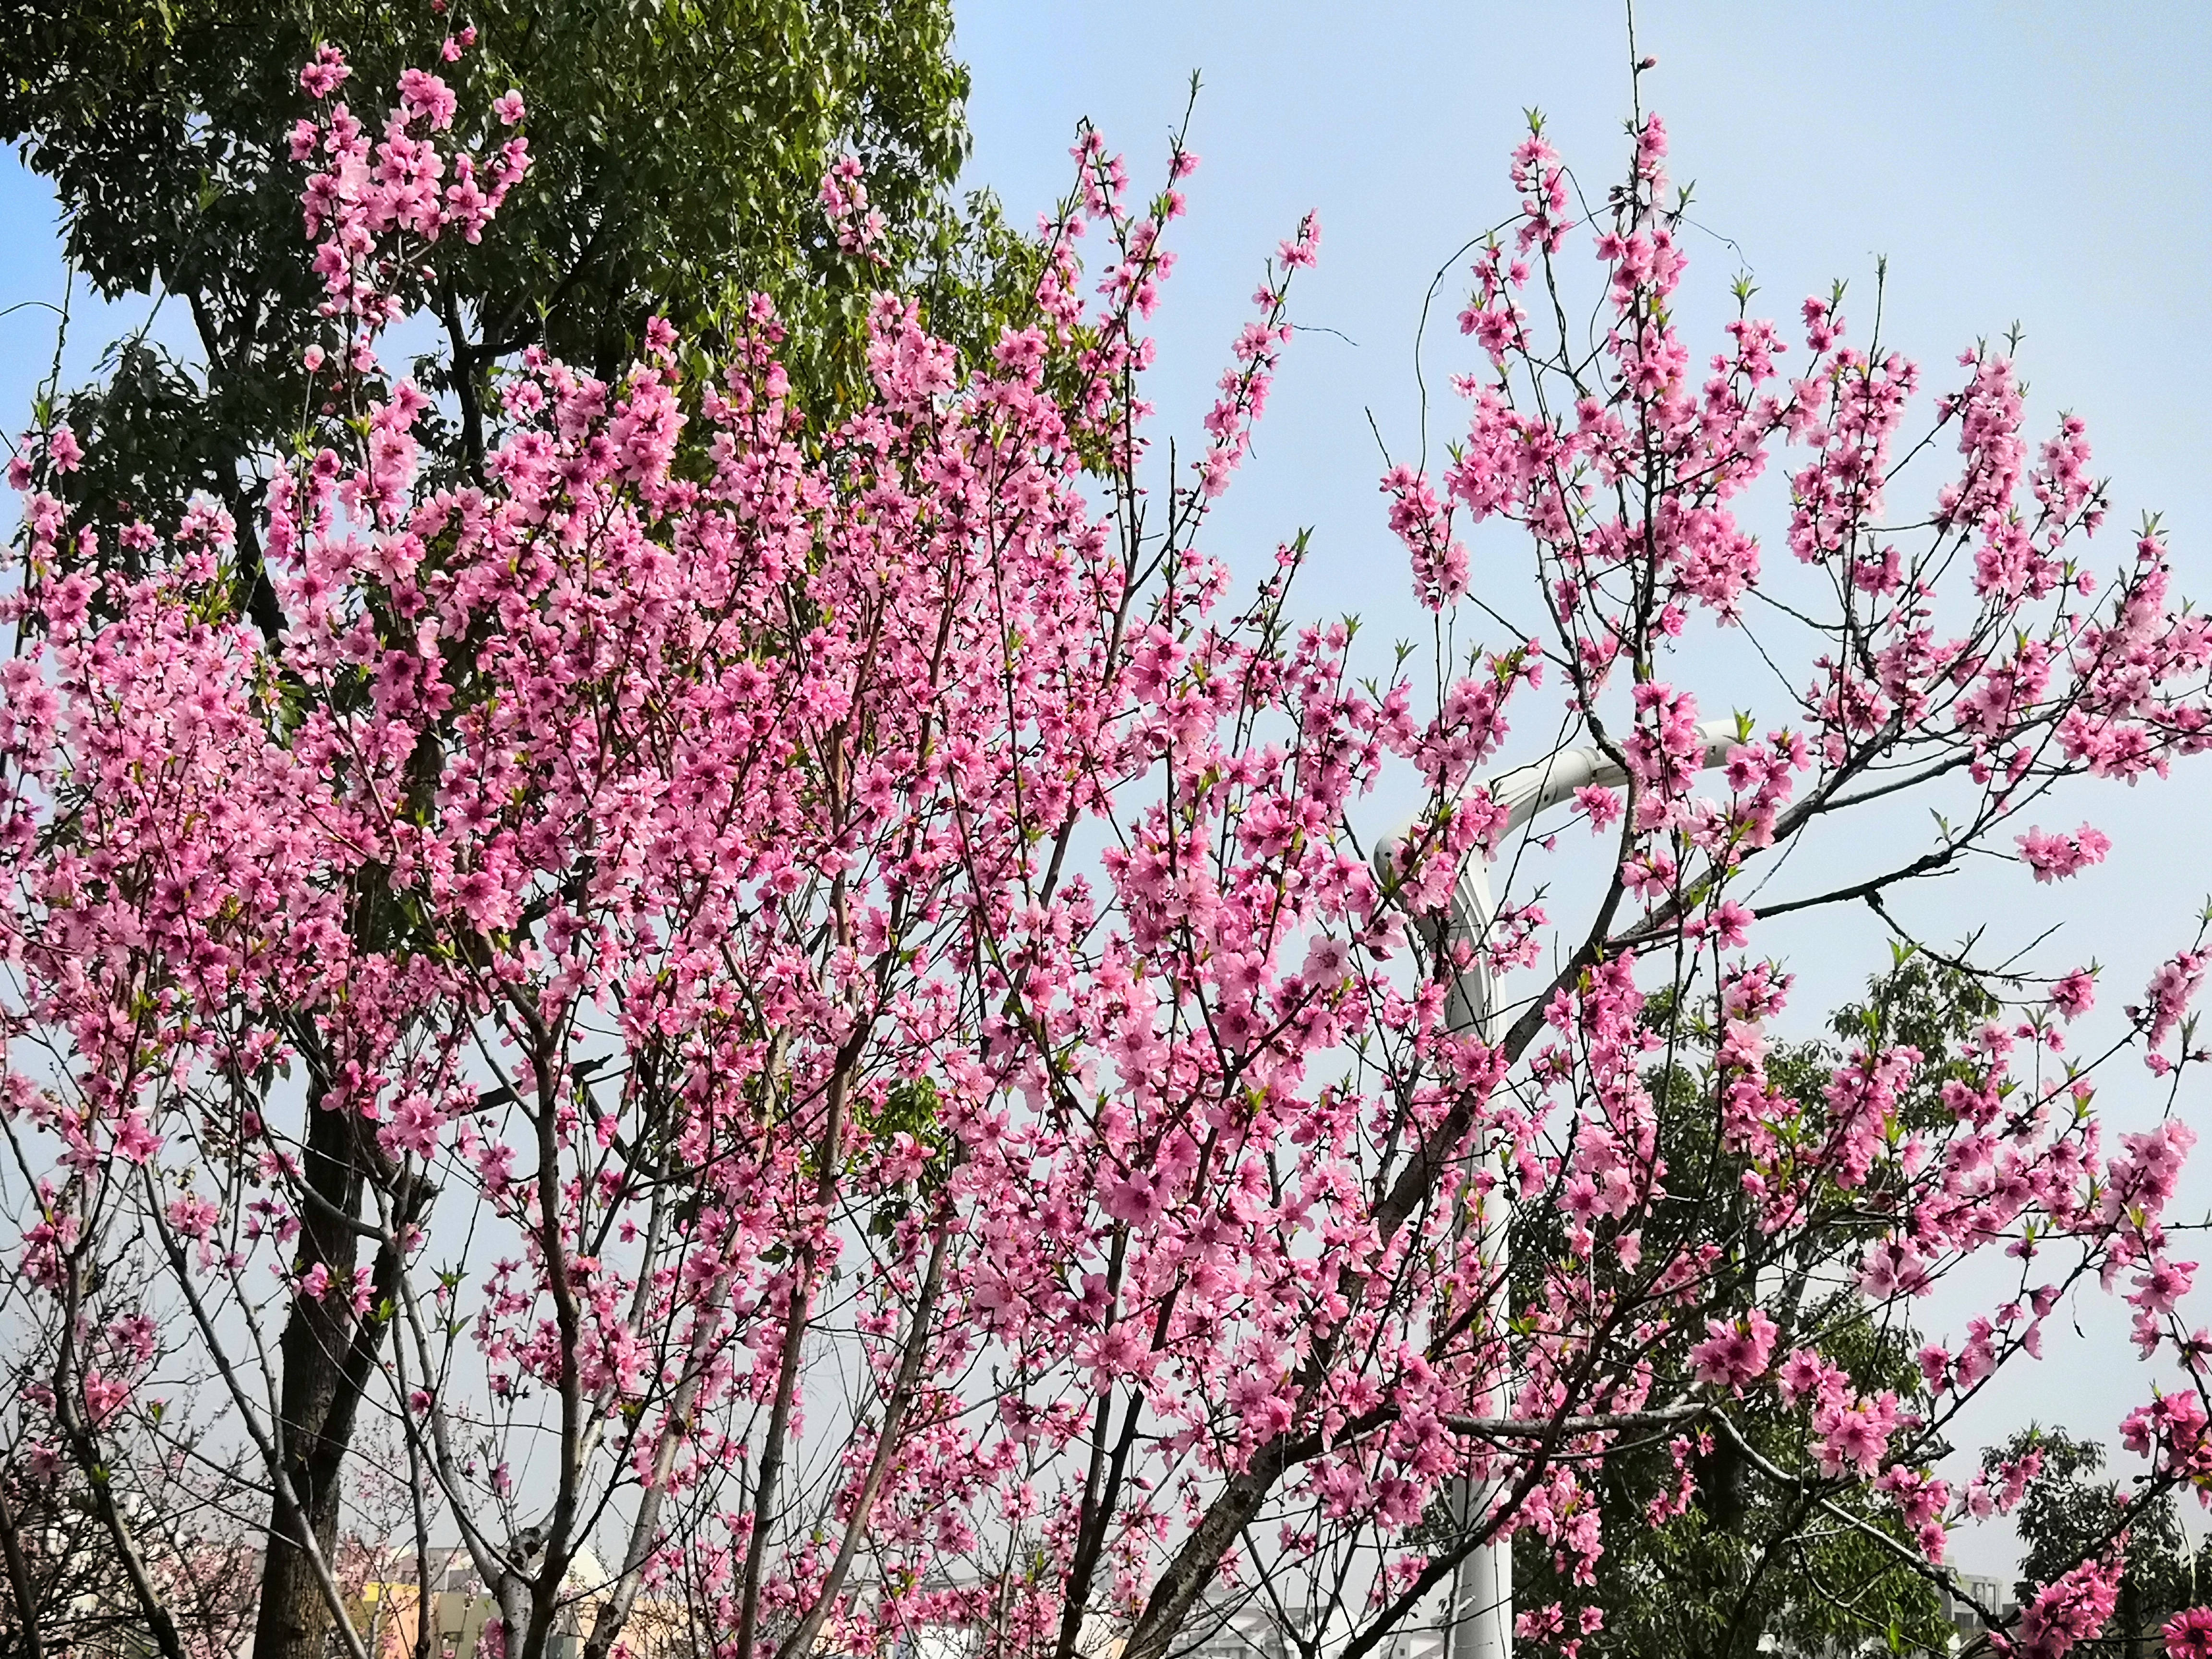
1525, 792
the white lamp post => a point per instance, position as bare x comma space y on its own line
1478, 1617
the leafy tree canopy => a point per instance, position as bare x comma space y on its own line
2073, 1511
1705, 1555
678, 146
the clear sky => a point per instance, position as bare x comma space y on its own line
2045, 164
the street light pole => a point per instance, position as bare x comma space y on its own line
1478, 1617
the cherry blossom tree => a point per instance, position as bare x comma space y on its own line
813, 1011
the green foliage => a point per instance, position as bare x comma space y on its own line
678, 147
1749, 1561
908, 1107
2069, 1513
1920, 1003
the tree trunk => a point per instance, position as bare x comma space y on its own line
292, 1620
256, 592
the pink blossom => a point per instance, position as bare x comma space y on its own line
321, 77
2055, 856
1735, 1353
2071, 1609
2189, 1634
103, 1396
2073, 994
426, 97
1424, 524
1601, 805
839, 939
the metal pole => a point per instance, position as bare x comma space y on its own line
1479, 1616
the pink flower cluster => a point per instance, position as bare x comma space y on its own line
860, 228
2189, 1634
374, 199
2071, 1610
860, 897
2055, 856
1732, 1356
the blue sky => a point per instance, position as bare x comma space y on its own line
2043, 164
